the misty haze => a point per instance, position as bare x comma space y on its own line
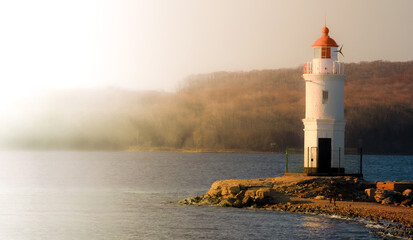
223, 111
115, 115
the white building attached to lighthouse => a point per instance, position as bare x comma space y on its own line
324, 122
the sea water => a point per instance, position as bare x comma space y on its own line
113, 195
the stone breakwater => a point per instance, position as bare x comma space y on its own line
348, 197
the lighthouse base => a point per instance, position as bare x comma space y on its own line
359, 175
324, 172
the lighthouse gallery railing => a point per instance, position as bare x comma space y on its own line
338, 68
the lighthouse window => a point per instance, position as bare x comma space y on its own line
325, 97
325, 53
317, 52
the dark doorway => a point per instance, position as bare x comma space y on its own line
324, 155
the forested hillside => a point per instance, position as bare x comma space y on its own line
239, 111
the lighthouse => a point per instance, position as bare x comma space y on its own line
324, 123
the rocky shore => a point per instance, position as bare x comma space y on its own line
349, 197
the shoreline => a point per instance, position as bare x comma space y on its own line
310, 195
193, 150
184, 150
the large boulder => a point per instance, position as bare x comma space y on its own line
263, 196
263, 193
407, 202
225, 203
371, 193
237, 204
215, 190
234, 190
380, 195
387, 201
224, 189
408, 193
249, 198
250, 193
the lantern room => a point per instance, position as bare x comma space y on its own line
323, 46
325, 59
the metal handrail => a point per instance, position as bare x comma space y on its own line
338, 68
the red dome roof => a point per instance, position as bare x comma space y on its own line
325, 40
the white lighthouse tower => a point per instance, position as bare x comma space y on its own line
324, 122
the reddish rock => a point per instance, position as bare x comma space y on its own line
395, 186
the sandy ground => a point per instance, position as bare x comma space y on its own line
368, 210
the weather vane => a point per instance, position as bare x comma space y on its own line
339, 51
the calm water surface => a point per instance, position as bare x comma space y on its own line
102, 195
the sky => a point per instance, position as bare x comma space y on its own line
155, 44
